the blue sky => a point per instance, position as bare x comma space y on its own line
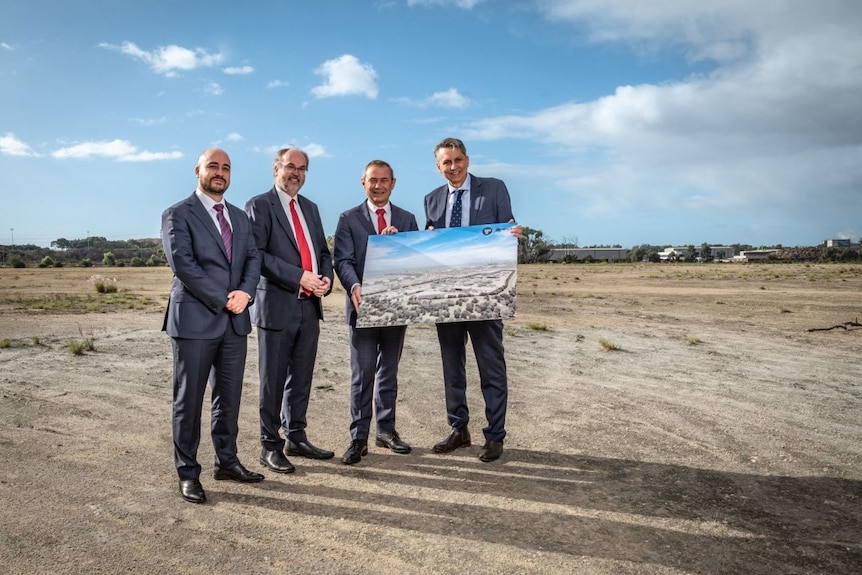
450, 247
612, 122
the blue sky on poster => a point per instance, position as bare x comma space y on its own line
611, 121
449, 247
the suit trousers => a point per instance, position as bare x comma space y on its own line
374, 356
487, 339
222, 361
286, 358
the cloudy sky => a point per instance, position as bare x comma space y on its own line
611, 121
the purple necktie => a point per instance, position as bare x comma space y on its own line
226, 233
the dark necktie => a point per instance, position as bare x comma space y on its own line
304, 252
226, 233
455, 220
381, 220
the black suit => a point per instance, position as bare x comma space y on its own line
288, 325
208, 340
374, 351
489, 204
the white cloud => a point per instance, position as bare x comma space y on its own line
451, 98
6, 46
233, 137
774, 123
315, 150
278, 84
149, 121
238, 70
213, 89
12, 146
168, 60
120, 150
346, 76
465, 4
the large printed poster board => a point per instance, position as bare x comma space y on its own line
439, 276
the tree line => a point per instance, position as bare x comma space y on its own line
534, 247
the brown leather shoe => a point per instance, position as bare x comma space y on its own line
458, 438
491, 450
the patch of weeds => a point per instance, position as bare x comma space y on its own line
536, 326
5, 343
36, 340
104, 284
783, 309
79, 346
693, 340
608, 345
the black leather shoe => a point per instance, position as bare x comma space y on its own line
276, 461
354, 453
306, 449
237, 473
392, 441
456, 439
491, 450
192, 490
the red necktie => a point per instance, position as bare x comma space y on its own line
304, 252
226, 233
381, 220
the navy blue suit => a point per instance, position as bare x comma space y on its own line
374, 351
208, 340
489, 204
288, 326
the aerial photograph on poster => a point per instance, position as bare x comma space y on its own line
440, 276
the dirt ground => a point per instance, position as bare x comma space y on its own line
711, 433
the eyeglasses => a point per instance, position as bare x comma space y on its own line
292, 168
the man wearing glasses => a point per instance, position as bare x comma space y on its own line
296, 272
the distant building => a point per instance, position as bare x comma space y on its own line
580, 254
679, 253
754, 255
843, 244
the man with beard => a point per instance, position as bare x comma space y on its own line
216, 266
296, 272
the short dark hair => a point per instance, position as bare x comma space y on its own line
380, 164
451, 143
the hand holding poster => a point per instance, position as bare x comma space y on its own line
439, 276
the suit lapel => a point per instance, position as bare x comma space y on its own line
281, 217
365, 218
200, 212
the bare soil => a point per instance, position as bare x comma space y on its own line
663, 419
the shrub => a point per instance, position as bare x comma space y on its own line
16, 263
104, 284
86, 263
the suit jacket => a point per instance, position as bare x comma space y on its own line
489, 203
203, 276
351, 243
277, 302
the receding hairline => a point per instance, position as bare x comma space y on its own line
450, 144
277, 159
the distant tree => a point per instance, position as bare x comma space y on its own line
532, 248
137, 262
86, 263
46, 262
705, 252
61, 244
17, 263
108, 259
690, 254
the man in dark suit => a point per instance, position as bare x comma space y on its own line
374, 351
468, 200
296, 272
216, 266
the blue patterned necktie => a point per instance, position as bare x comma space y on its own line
226, 233
455, 220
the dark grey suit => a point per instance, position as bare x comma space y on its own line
208, 340
489, 204
288, 327
374, 351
